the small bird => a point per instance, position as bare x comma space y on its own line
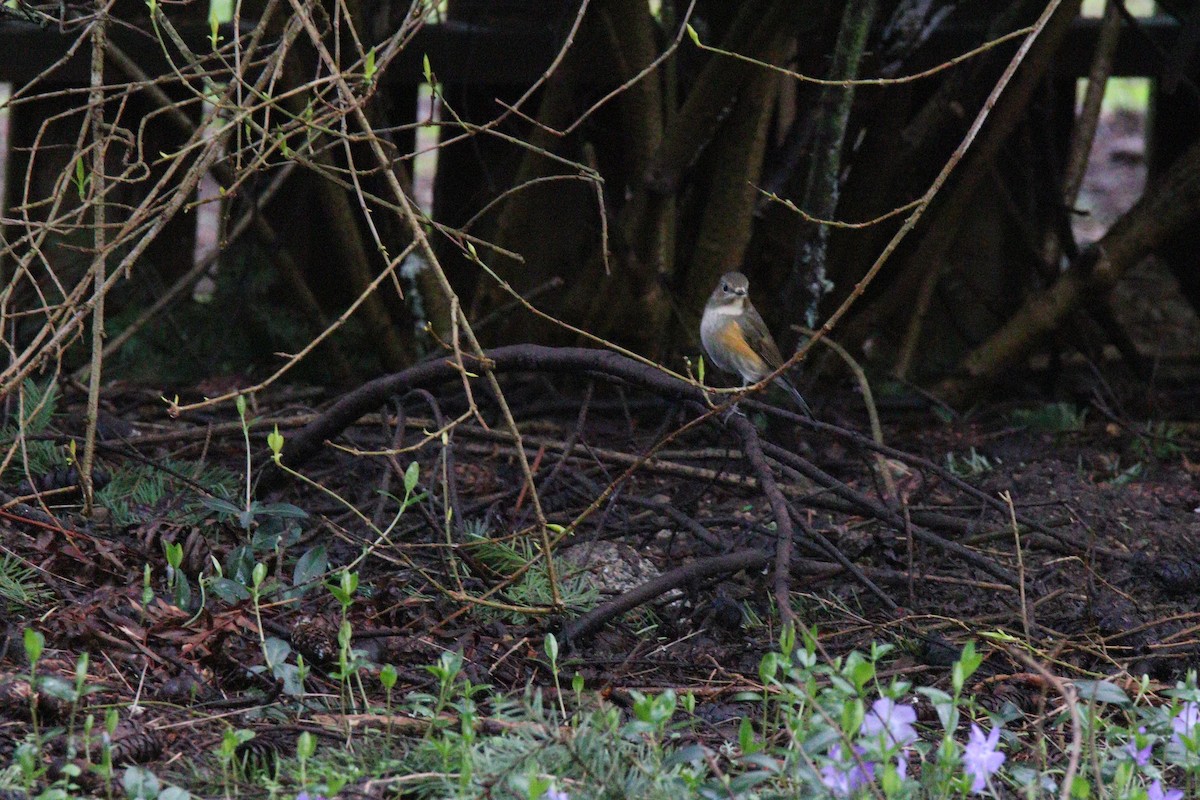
736, 338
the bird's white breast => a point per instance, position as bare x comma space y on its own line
711, 325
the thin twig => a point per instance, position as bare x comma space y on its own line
98, 187
1016, 532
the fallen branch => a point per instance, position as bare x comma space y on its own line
779, 509
882, 512
515, 358
589, 623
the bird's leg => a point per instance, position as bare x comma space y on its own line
733, 409
715, 400
728, 413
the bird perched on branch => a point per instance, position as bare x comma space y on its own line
736, 338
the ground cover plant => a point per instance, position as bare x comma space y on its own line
814, 728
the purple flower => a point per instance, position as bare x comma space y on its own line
981, 759
1155, 792
844, 781
896, 721
1140, 756
1185, 722
555, 794
304, 795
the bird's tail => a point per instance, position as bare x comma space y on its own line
783, 382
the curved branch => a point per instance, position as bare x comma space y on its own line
753, 449
589, 623
515, 358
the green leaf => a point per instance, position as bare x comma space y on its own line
81, 669
695, 37
290, 675
275, 442
214, 25
311, 566
182, 591
239, 564
411, 475
860, 671
768, 666
763, 761
227, 590
369, 67
233, 738
965, 667
220, 505
943, 704
57, 688
691, 754
853, 712
276, 651
81, 178
1102, 692
425, 69
1026, 777
279, 510
748, 780
35, 644
746, 737
174, 552
140, 784
537, 787
147, 589
890, 781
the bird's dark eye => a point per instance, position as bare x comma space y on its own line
726, 288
